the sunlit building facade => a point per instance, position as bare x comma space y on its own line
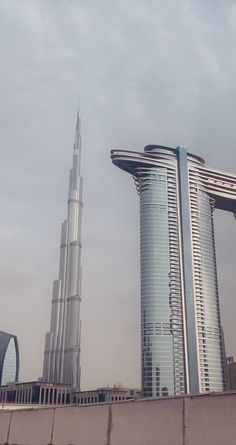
180, 315
9, 358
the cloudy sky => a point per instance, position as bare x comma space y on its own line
148, 71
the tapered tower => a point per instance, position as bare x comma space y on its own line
62, 343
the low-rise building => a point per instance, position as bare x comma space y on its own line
106, 394
36, 392
45, 393
230, 374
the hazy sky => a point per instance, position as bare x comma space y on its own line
148, 71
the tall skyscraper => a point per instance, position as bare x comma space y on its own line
9, 358
62, 343
180, 315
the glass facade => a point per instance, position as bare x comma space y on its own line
9, 364
161, 304
180, 315
62, 342
9, 358
206, 288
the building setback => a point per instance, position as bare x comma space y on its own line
180, 315
62, 343
9, 358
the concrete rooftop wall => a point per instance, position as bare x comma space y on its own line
199, 420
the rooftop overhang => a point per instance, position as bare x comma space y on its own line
223, 203
133, 161
130, 161
220, 185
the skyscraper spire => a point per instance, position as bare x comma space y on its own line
62, 343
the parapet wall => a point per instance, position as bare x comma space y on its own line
199, 420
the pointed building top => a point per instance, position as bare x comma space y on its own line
77, 132
75, 171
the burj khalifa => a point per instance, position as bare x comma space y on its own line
62, 343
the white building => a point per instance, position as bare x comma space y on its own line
62, 343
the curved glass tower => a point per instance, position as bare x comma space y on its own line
9, 358
180, 316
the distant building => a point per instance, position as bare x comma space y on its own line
224, 359
9, 358
230, 374
37, 392
62, 342
45, 393
106, 394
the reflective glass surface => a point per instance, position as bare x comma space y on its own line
163, 370
9, 364
180, 316
206, 290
